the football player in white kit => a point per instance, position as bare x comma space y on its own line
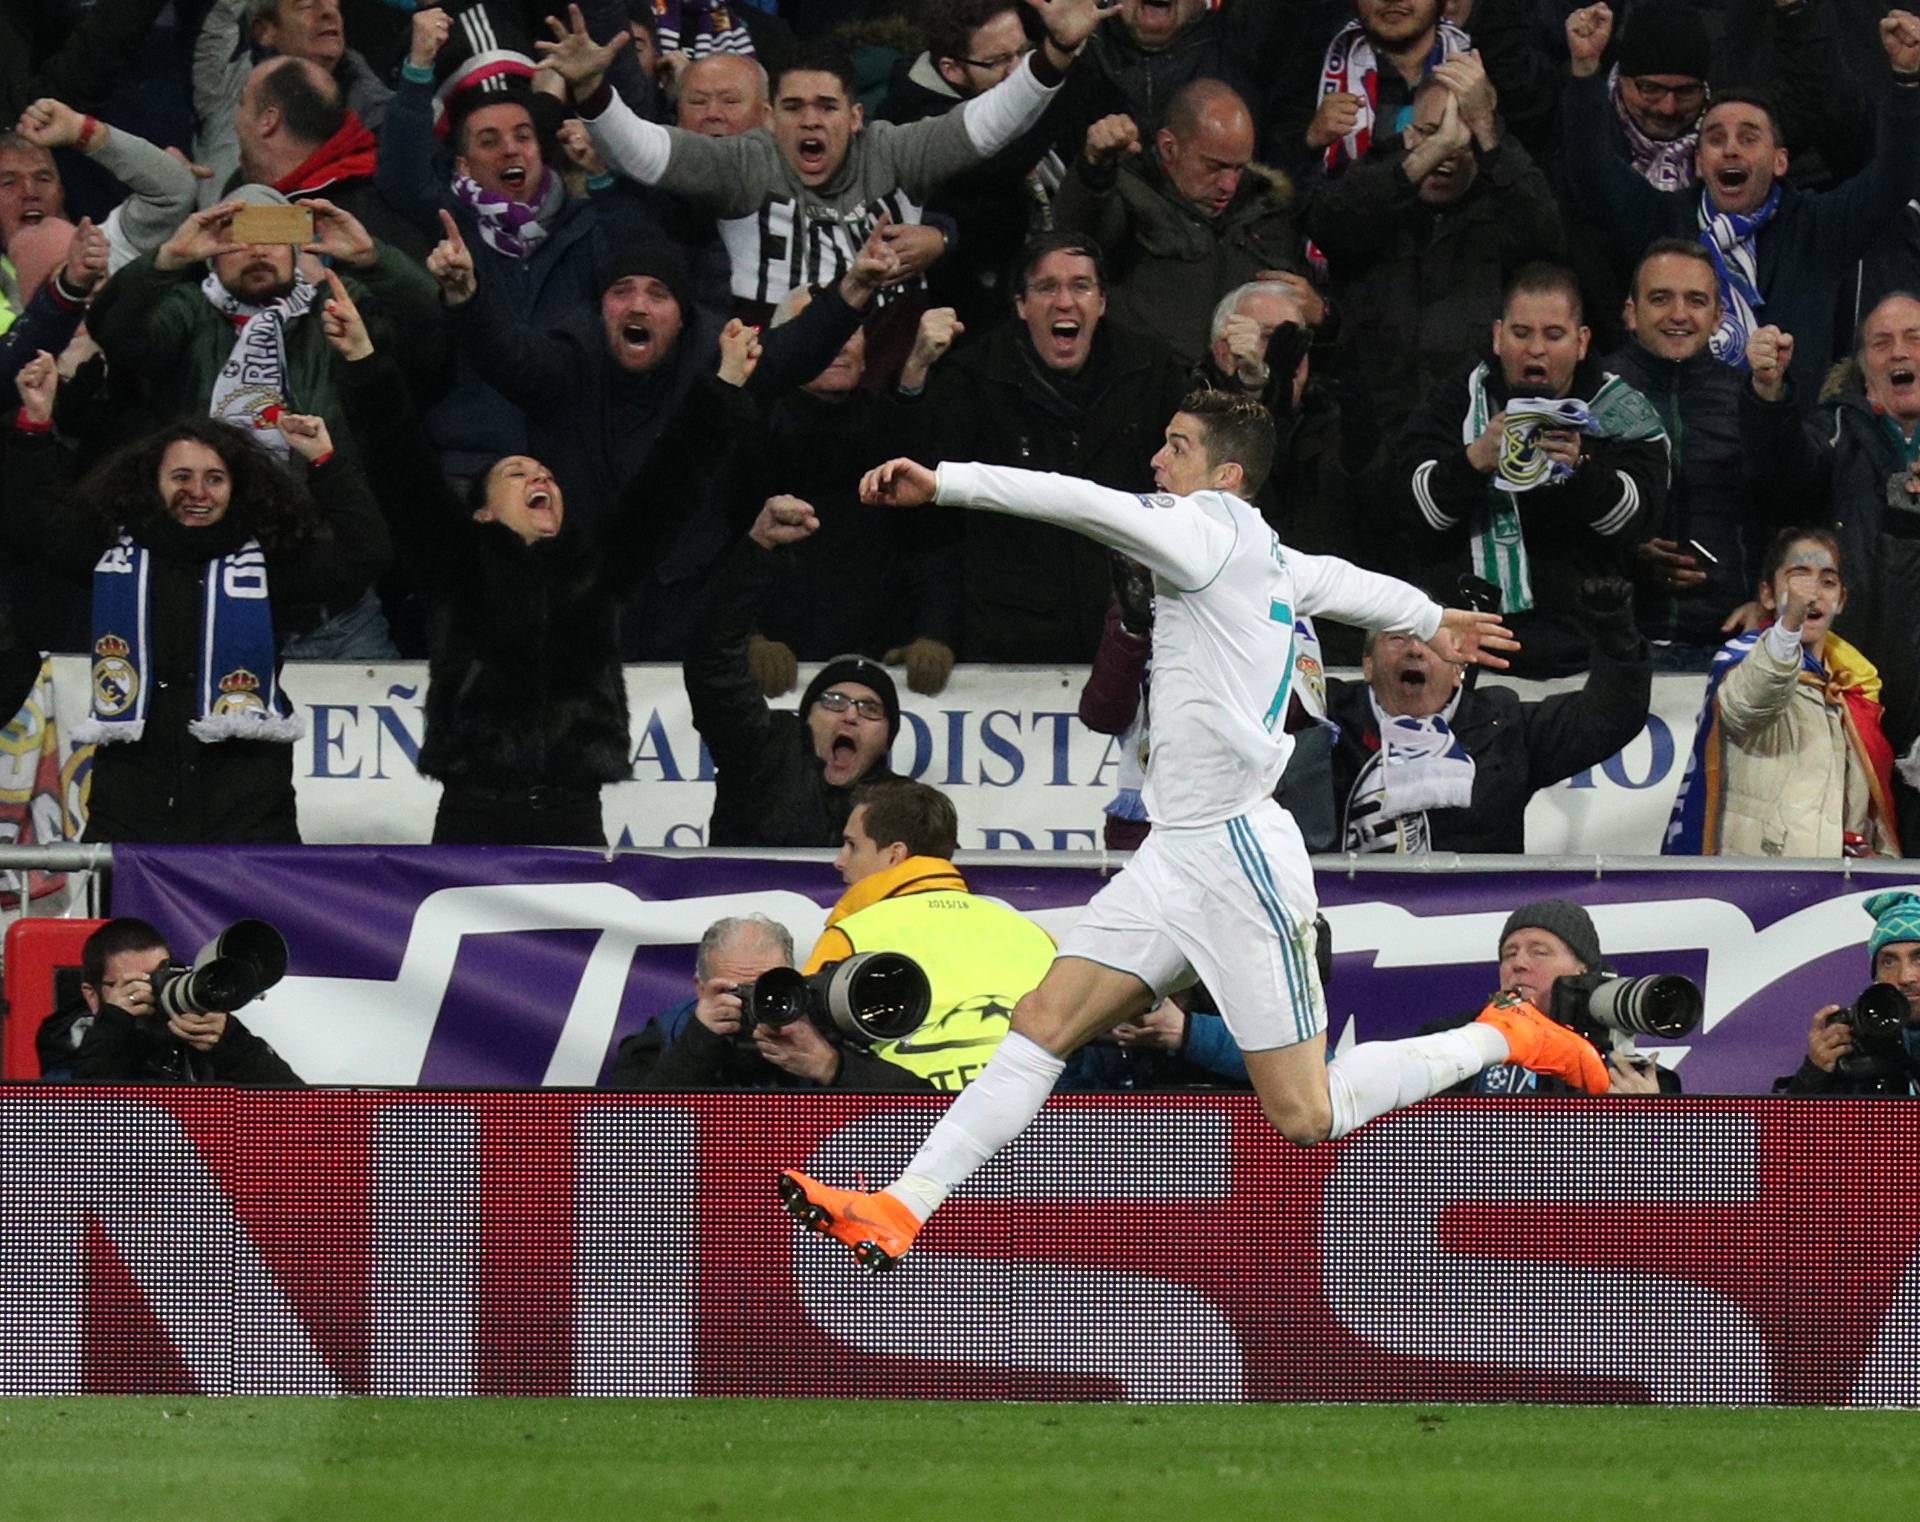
1222, 889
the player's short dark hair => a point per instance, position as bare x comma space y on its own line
912, 814
1759, 99
1787, 538
1041, 245
819, 57
1541, 278
949, 25
1673, 248
1234, 429
311, 114
110, 940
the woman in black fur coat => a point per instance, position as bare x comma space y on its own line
526, 710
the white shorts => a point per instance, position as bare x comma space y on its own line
1231, 904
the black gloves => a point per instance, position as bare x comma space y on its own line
1606, 604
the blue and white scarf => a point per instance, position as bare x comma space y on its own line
238, 694
1729, 238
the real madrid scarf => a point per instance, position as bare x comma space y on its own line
1421, 765
1351, 68
250, 391
1729, 238
237, 694
1498, 546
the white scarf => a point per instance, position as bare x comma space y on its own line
250, 391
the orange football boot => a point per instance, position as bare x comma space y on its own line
877, 1227
1546, 1046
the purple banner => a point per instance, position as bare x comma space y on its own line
523, 967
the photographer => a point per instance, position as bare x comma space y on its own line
122, 1037
1541, 943
1842, 1058
696, 1045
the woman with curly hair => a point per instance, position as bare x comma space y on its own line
195, 543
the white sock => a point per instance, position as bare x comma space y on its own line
992, 1110
1377, 1076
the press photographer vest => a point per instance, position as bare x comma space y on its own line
979, 958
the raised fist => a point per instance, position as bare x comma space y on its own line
1900, 36
1338, 115
1588, 33
1769, 353
1110, 137
430, 29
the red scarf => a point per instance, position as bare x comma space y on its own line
348, 155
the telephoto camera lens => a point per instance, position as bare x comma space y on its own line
234, 968
874, 996
1664, 1004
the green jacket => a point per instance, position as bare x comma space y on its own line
165, 340
1168, 266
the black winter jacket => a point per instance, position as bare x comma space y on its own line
770, 789
1517, 747
122, 1048
1417, 288
1168, 265
1583, 526
1036, 592
167, 787
1711, 497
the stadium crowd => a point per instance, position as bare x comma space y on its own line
529, 344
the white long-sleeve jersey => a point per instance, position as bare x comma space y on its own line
1226, 594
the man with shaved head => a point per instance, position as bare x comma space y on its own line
1186, 218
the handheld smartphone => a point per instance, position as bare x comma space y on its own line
273, 224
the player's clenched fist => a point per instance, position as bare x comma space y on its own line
1769, 353
1588, 32
1110, 137
1338, 115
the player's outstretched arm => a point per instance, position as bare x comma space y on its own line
1467, 637
1169, 535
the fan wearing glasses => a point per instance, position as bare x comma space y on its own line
781, 777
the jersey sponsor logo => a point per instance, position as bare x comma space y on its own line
1160, 499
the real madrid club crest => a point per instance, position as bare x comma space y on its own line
239, 693
114, 680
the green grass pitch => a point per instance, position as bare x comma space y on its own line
166, 1458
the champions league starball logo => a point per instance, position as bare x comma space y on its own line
114, 681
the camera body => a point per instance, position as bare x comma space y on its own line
1609, 1010
1878, 1021
866, 999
